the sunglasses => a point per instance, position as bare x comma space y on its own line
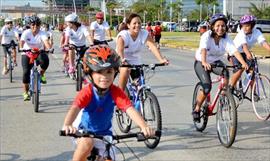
35, 24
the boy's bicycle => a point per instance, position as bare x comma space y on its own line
144, 100
226, 113
35, 82
259, 85
10, 63
109, 141
78, 75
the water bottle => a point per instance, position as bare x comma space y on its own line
246, 79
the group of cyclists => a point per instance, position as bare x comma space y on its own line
93, 106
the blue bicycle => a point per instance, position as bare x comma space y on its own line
10, 63
144, 100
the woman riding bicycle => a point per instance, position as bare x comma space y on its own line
93, 107
30, 39
76, 35
129, 44
244, 41
7, 36
213, 45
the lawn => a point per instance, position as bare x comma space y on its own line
190, 40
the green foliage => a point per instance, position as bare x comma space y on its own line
260, 12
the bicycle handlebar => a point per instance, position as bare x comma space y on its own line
152, 66
34, 52
140, 136
226, 66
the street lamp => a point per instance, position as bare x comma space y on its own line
74, 4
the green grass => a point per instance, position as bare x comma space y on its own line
191, 40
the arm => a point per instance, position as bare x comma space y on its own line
91, 39
155, 51
206, 65
137, 118
266, 46
109, 33
247, 52
241, 60
47, 44
69, 119
120, 47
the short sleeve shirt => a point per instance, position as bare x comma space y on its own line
99, 30
8, 35
132, 48
214, 52
97, 111
77, 38
250, 39
32, 41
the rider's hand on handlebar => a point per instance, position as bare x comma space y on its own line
165, 61
148, 131
69, 129
245, 66
206, 66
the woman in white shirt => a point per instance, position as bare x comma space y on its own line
213, 45
129, 43
244, 41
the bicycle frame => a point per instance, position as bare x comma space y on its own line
221, 85
33, 70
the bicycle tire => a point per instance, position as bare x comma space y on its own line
10, 68
260, 102
200, 126
155, 116
36, 91
79, 77
226, 119
123, 121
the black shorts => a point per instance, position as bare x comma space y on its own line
236, 62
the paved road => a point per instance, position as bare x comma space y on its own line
30, 136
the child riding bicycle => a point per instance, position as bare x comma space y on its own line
244, 41
213, 45
94, 105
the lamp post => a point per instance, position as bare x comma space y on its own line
74, 4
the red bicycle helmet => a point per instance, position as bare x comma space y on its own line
101, 57
99, 15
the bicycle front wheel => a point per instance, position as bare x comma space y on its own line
260, 97
10, 68
79, 77
122, 119
36, 91
226, 119
152, 115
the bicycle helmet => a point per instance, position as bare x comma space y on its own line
8, 20
72, 18
218, 16
99, 15
100, 57
247, 19
34, 20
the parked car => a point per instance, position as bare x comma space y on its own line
263, 25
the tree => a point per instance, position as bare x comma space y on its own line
207, 3
111, 5
260, 12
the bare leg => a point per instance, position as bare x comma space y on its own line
123, 77
84, 147
200, 99
235, 77
25, 87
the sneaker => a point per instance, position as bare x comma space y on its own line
43, 79
5, 71
196, 116
26, 96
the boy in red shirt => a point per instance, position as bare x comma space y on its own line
157, 33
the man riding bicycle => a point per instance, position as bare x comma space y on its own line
31, 39
7, 37
98, 30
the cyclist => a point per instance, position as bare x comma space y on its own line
93, 107
213, 45
129, 44
7, 36
157, 34
98, 30
244, 41
76, 35
31, 39
149, 29
46, 28
62, 46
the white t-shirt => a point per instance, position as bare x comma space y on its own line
77, 38
132, 49
250, 39
8, 35
99, 30
32, 41
214, 52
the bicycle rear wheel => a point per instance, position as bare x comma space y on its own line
79, 77
152, 115
10, 68
226, 119
200, 125
36, 91
122, 119
260, 97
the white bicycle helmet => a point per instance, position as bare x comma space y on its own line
8, 20
71, 18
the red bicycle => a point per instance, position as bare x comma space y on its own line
226, 114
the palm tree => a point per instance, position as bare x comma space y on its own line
111, 5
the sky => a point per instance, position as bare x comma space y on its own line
22, 2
